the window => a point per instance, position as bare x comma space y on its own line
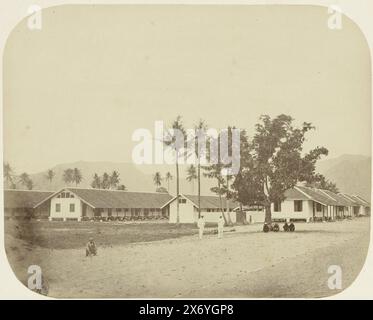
298, 205
58, 207
318, 207
277, 206
72, 207
181, 200
67, 195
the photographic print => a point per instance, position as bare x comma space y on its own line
187, 151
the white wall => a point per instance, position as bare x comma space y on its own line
65, 208
188, 213
287, 212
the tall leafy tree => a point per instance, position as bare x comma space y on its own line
274, 162
77, 176
105, 181
320, 182
157, 179
68, 176
191, 175
172, 141
8, 175
29, 184
50, 175
168, 178
25, 179
114, 179
96, 182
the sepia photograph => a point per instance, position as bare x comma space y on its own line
186, 151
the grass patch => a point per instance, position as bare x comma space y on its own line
72, 234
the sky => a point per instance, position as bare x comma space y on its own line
78, 88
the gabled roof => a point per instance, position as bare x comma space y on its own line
113, 199
359, 201
317, 196
341, 201
24, 198
295, 194
362, 199
355, 200
207, 202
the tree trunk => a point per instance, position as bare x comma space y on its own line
221, 205
229, 221
199, 189
177, 190
268, 214
244, 220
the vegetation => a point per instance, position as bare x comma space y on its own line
108, 181
168, 178
172, 142
273, 162
157, 179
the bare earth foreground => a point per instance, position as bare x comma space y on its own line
173, 262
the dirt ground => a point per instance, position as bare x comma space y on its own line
245, 263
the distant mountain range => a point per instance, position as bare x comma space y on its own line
352, 174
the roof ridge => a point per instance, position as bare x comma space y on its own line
29, 190
126, 191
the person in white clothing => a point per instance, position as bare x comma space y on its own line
201, 226
220, 227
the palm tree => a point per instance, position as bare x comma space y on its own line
50, 175
200, 128
96, 183
191, 175
77, 176
168, 178
8, 175
114, 179
157, 179
68, 176
171, 141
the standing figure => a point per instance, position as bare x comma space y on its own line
201, 226
220, 227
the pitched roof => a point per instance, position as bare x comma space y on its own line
362, 199
211, 202
24, 198
341, 201
317, 196
100, 198
295, 194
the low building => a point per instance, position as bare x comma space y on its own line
360, 207
102, 204
26, 204
311, 204
210, 208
